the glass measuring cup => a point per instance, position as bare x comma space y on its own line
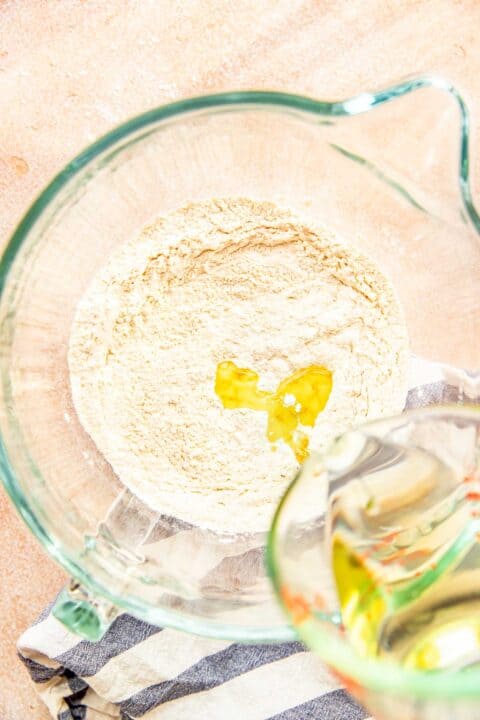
387, 170
395, 614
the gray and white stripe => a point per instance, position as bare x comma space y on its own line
140, 671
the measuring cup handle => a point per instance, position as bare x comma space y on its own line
366, 101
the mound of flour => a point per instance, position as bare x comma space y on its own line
238, 280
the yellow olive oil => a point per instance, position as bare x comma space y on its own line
291, 409
405, 554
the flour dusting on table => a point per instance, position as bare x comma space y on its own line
227, 280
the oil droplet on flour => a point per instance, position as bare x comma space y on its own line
295, 404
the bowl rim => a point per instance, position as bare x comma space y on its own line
241, 100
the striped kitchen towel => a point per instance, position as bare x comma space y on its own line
138, 670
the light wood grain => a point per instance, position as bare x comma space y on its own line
71, 70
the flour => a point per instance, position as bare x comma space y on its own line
238, 280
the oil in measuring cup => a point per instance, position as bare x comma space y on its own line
404, 544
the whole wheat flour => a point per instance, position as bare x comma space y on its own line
236, 280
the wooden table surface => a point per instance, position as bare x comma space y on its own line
72, 69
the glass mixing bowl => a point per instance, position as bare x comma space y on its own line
299, 559
387, 169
